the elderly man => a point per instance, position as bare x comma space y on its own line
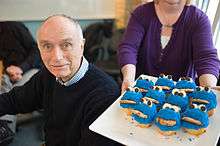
72, 92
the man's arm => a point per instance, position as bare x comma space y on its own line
100, 101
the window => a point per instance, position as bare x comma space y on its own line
212, 9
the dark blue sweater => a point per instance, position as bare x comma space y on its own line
68, 110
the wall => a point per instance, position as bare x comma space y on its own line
34, 25
34, 10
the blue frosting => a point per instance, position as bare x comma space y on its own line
209, 96
168, 114
165, 82
144, 84
184, 84
156, 94
180, 101
150, 111
197, 115
131, 95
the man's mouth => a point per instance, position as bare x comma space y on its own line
59, 66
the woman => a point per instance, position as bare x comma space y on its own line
170, 37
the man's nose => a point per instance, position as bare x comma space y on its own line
57, 53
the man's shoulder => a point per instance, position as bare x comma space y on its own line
99, 79
43, 75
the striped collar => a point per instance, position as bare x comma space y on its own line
79, 74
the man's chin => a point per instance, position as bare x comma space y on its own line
61, 75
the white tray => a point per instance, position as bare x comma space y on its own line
113, 124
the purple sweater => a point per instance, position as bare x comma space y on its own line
190, 50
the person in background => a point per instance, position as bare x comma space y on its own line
72, 92
18, 51
170, 37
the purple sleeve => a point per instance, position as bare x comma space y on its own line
128, 47
204, 53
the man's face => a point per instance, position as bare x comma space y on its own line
60, 46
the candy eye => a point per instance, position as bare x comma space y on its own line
143, 100
147, 80
129, 89
158, 88
187, 78
207, 89
140, 78
181, 79
193, 106
202, 107
169, 77
166, 105
198, 89
175, 91
136, 89
182, 93
149, 103
161, 75
175, 108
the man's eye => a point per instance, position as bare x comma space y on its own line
66, 45
47, 46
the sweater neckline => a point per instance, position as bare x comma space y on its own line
176, 23
173, 34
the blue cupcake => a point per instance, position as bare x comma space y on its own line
165, 82
195, 119
129, 100
178, 98
203, 95
186, 84
156, 95
168, 119
144, 113
144, 84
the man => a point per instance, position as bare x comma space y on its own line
72, 92
18, 50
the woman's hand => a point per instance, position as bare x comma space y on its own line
216, 88
126, 84
128, 72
